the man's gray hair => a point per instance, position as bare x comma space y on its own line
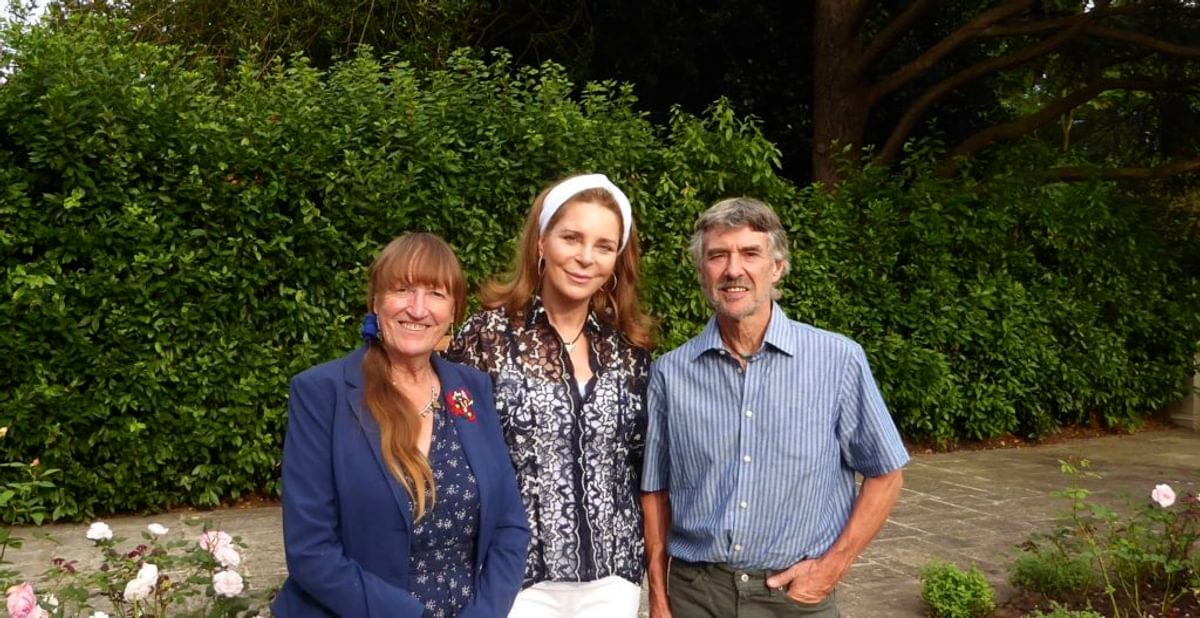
738, 212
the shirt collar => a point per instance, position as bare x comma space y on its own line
537, 312
778, 335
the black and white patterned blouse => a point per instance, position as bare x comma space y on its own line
578, 459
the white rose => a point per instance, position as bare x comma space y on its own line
99, 531
148, 573
214, 539
228, 557
1163, 495
98, 615
138, 590
157, 529
227, 583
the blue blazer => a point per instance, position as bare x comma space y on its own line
347, 522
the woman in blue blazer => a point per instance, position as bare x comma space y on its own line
398, 492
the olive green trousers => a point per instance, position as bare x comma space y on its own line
717, 590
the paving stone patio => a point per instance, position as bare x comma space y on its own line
968, 507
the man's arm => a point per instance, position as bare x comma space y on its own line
810, 581
656, 509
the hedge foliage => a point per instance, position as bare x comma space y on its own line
175, 247
1004, 306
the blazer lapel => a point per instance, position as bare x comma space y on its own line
354, 394
474, 446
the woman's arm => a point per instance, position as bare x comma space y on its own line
316, 560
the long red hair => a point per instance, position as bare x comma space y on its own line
412, 259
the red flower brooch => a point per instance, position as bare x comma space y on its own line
460, 402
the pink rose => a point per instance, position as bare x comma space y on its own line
22, 602
213, 540
1163, 495
228, 557
227, 583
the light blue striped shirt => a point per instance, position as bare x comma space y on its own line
760, 464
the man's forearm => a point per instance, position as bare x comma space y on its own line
875, 501
656, 510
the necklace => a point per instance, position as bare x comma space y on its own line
570, 345
743, 355
430, 405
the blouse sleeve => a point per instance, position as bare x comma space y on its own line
469, 347
639, 383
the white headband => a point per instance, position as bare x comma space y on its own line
569, 188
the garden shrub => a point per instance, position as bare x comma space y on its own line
951, 592
1058, 611
1049, 570
175, 246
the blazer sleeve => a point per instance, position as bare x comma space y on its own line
503, 568
316, 559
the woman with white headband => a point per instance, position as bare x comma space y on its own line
566, 343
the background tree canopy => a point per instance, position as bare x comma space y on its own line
183, 228
1112, 84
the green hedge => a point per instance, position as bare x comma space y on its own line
1005, 306
175, 247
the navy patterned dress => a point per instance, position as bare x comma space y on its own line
443, 541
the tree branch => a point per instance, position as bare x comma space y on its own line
857, 19
1174, 168
1054, 23
1052, 110
943, 48
897, 28
1145, 40
908, 122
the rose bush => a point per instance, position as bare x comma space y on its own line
1140, 561
162, 576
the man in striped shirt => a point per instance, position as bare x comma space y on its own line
757, 428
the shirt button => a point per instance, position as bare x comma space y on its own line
746, 459
744, 504
737, 547
749, 413
745, 577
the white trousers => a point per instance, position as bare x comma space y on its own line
611, 597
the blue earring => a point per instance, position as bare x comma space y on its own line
370, 328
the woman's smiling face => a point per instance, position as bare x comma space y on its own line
580, 251
413, 318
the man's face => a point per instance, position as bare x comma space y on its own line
737, 272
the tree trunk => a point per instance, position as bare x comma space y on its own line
840, 92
